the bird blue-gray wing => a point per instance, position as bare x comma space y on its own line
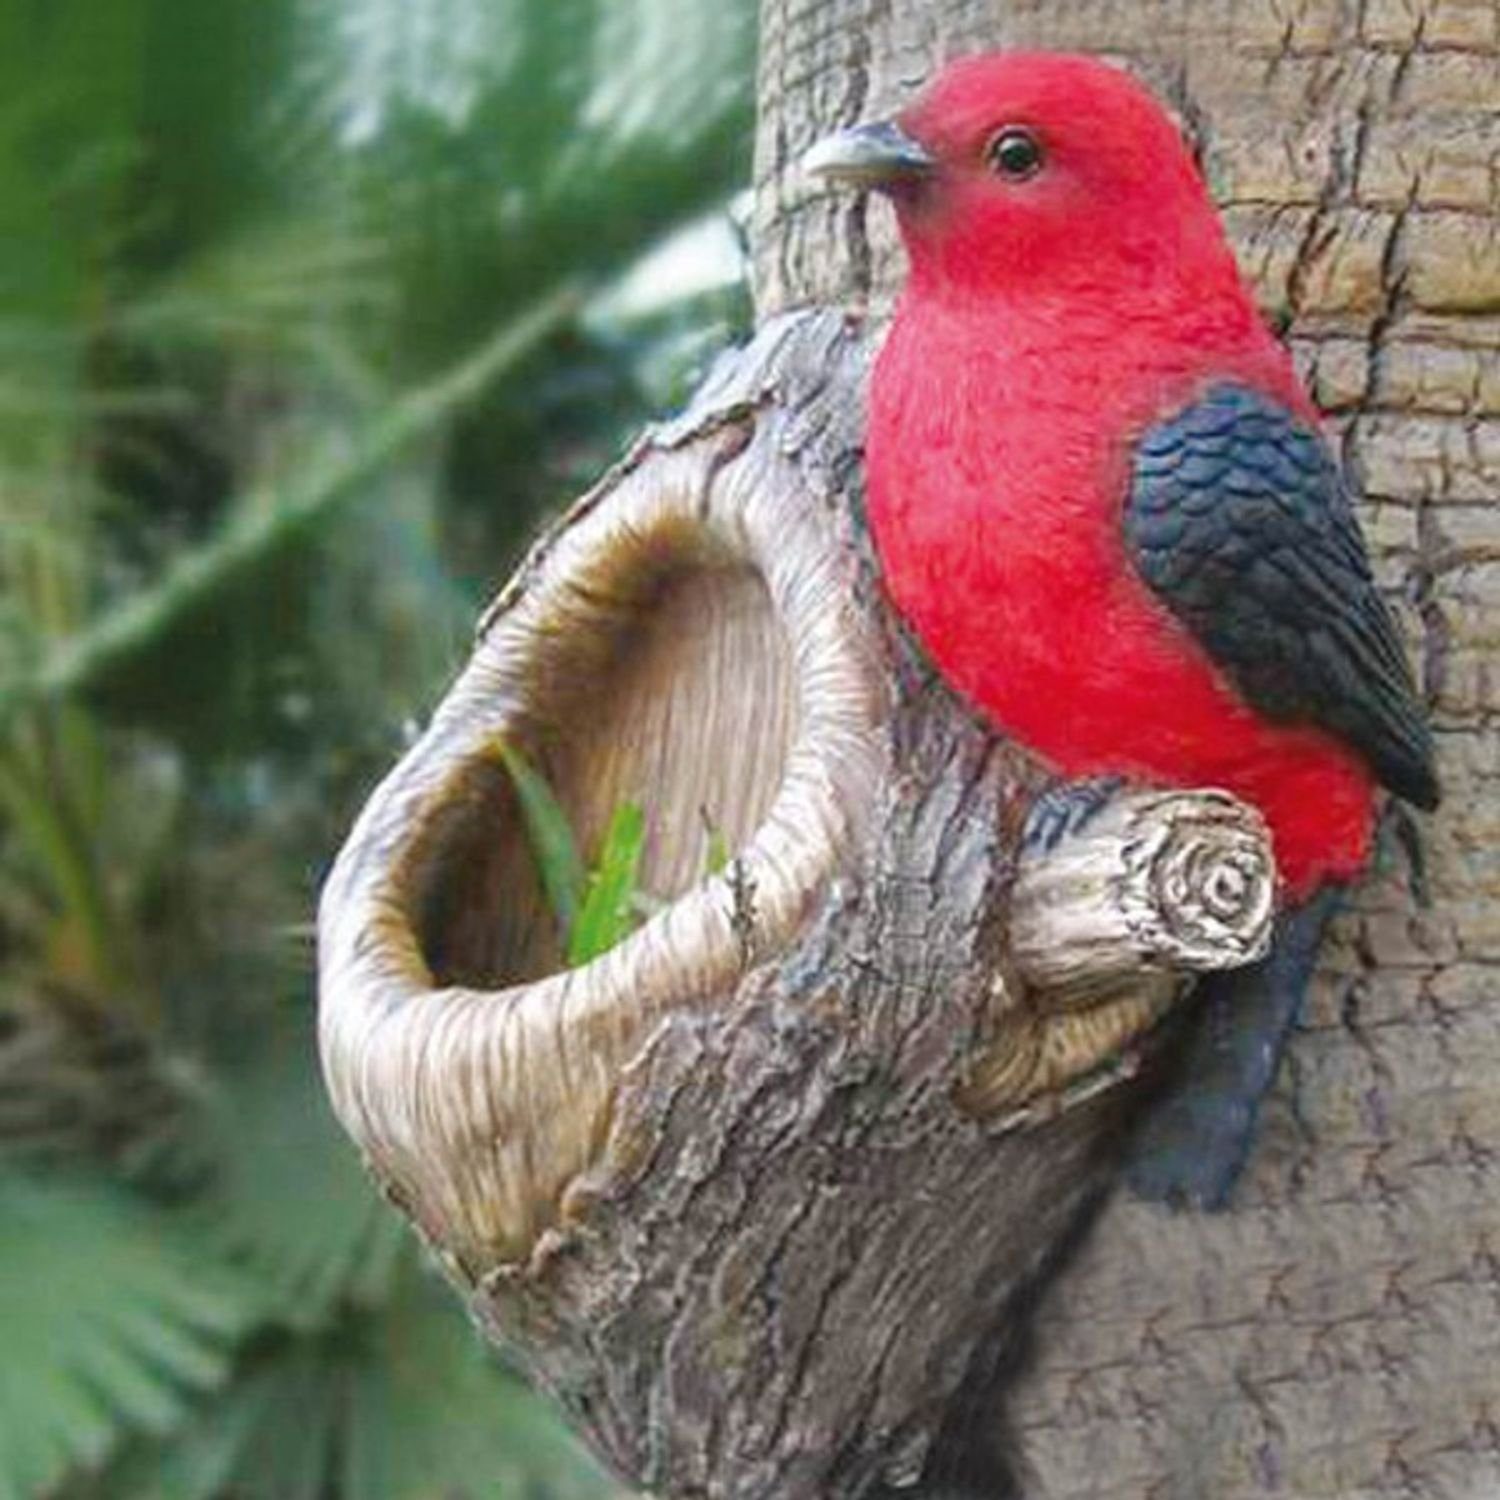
1238, 520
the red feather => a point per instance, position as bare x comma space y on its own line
1045, 326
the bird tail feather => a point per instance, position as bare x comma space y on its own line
1192, 1145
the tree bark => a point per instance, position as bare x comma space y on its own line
1337, 1332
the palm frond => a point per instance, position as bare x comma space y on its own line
258, 530
286, 1198
399, 1402
569, 134
434, 1413
78, 1081
111, 1321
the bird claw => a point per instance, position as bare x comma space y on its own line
1064, 808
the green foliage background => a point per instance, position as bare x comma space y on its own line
305, 317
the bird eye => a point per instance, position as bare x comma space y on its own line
1015, 153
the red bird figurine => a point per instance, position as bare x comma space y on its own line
1101, 500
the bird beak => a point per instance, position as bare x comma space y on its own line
880, 156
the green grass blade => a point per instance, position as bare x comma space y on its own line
608, 910
552, 844
716, 856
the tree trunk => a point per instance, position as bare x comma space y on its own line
1337, 1333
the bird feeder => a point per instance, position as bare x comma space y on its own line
758, 1192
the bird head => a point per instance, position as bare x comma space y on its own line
1022, 170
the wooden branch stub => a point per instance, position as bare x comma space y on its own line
1105, 930
751, 1192
1156, 882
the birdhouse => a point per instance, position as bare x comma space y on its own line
756, 1192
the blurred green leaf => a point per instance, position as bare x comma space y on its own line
112, 1318
396, 1403
257, 531
286, 1197
608, 911
551, 837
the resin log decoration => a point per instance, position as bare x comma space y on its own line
1163, 882
755, 1192
684, 638
1105, 926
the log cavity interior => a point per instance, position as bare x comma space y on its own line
666, 681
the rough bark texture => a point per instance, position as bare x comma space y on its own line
1337, 1333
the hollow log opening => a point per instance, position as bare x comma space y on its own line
679, 695
685, 638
